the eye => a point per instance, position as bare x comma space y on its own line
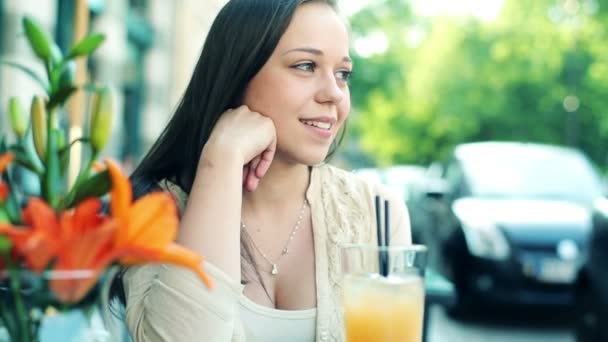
344, 75
306, 66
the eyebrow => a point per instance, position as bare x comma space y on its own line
316, 52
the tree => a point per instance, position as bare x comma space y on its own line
539, 72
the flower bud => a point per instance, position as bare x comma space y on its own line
39, 126
39, 39
17, 117
101, 118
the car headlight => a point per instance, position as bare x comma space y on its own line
485, 240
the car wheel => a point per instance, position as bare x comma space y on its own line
587, 318
463, 307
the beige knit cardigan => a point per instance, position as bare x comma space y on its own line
168, 303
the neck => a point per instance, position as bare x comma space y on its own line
284, 185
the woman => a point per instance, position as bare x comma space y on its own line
244, 156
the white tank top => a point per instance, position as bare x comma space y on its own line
263, 324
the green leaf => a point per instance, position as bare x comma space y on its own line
23, 158
87, 45
12, 209
68, 74
31, 73
39, 39
95, 186
61, 96
5, 242
56, 55
3, 216
3, 145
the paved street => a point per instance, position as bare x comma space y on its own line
445, 329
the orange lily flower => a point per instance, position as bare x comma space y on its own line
3, 192
5, 161
98, 167
38, 242
80, 242
148, 227
87, 238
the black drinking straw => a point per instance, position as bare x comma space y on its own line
387, 235
379, 222
382, 255
387, 239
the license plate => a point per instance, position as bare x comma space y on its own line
557, 271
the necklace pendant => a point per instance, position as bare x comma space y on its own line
275, 269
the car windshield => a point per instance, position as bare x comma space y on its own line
532, 173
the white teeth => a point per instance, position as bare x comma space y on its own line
318, 124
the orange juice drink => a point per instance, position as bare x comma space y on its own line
383, 309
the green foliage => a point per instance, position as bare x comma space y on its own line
87, 45
41, 42
471, 80
51, 160
95, 186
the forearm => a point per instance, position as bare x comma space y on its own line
210, 224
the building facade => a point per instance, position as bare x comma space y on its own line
150, 50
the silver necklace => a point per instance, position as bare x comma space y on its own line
296, 227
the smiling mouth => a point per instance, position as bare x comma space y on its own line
318, 124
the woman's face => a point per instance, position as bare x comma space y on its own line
303, 87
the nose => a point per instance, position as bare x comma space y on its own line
329, 90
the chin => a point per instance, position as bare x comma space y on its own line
312, 159
313, 155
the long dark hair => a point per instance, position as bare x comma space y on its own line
241, 39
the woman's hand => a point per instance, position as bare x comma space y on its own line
246, 135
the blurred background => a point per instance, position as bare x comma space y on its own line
516, 225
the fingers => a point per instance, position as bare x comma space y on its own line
265, 160
252, 136
257, 168
250, 182
252, 179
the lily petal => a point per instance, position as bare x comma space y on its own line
121, 194
3, 192
153, 221
98, 167
91, 251
5, 160
173, 254
33, 246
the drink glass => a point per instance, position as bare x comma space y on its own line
383, 292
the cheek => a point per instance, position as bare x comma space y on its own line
274, 95
257, 96
344, 107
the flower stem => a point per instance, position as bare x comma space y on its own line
7, 319
23, 318
82, 176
